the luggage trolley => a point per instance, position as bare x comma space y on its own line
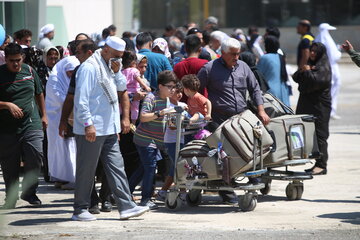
296, 156
247, 202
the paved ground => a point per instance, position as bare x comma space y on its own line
329, 208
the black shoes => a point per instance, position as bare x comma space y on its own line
316, 171
106, 206
94, 209
33, 200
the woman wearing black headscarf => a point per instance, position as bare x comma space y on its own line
272, 66
314, 82
250, 59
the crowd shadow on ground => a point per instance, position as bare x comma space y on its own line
349, 217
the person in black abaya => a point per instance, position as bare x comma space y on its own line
314, 81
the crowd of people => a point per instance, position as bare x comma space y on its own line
97, 107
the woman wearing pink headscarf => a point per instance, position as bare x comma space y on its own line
160, 45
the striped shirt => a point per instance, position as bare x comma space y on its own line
151, 134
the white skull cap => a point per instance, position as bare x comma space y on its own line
115, 43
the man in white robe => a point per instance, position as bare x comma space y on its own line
334, 56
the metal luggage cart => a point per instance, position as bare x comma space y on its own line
247, 202
295, 188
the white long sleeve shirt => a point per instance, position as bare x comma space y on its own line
91, 106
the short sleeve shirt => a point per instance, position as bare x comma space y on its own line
20, 88
151, 134
197, 104
305, 43
131, 74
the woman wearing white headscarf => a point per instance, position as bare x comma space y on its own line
160, 45
61, 151
334, 56
51, 56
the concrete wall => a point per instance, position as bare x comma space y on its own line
86, 16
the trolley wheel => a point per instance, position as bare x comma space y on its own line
247, 202
176, 205
300, 190
266, 189
193, 198
291, 191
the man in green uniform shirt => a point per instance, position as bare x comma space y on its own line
22, 119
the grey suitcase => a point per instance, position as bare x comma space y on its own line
294, 138
236, 136
210, 169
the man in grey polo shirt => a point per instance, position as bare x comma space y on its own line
227, 80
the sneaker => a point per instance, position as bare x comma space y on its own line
106, 206
133, 212
150, 204
8, 205
335, 117
83, 216
94, 209
33, 200
161, 195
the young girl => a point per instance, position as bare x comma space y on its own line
149, 135
142, 66
134, 82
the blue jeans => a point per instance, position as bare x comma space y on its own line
171, 150
146, 172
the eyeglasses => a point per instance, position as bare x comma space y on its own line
170, 87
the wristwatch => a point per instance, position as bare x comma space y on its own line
157, 113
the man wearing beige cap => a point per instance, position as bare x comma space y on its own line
100, 85
47, 33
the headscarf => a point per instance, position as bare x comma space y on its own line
321, 55
163, 46
58, 78
320, 78
325, 38
250, 59
46, 29
139, 57
46, 50
272, 45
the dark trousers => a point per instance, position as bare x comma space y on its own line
105, 191
322, 134
14, 147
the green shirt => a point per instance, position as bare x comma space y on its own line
20, 88
355, 57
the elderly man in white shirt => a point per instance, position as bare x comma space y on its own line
96, 126
47, 34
